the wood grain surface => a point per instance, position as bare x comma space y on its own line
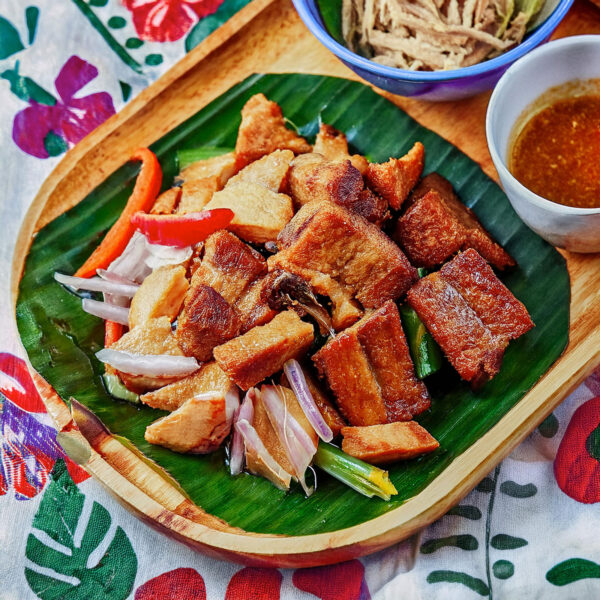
268, 36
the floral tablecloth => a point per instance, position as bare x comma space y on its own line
529, 529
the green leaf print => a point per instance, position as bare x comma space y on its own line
510, 488
53, 547
573, 570
457, 577
464, 542
10, 41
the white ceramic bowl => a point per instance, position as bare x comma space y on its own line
568, 59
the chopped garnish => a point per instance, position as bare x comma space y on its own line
245, 413
364, 478
115, 388
97, 284
425, 352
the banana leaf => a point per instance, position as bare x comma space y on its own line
61, 339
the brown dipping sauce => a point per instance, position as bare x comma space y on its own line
556, 152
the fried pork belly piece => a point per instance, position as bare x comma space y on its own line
370, 370
333, 145
328, 411
253, 306
494, 303
344, 257
471, 315
209, 378
197, 193
151, 337
394, 179
270, 170
198, 426
209, 317
260, 214
165, 204
379, 444
160, 295
456, 218
263, 131
428, 232
223, 167
266, 432
263, 350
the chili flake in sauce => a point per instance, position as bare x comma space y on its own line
557, 153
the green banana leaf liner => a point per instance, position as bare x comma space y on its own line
61, 339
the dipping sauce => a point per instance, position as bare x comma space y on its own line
556, 153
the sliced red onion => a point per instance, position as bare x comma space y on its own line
295, 376
132, 262
244, 413
232, 403
96, 284
160, 256
254, 443
108, 312
151, 365
108, 276
297, 444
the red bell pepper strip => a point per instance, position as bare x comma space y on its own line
147, 187
181, 230
112, 333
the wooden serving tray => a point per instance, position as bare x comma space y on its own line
267, 36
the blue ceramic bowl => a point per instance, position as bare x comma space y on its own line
436, 85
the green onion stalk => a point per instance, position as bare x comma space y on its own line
360, 476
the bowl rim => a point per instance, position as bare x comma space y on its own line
306, 10
496, 100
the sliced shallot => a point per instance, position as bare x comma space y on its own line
151, 365
97, 284
160, 256
255, 444
295, 376
244, 413
106, 311
132, 263
297, 444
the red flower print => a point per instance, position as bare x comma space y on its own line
577, 462
168, 20
255, 583
179, 584
48, 126
345, 581
28, 447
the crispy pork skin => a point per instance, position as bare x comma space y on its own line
494, 303
229, 276
333, 145
428, 232
394, 179
263, 350
209, 378
223, 167
166, 203
160, 295
260, 214
472, 349
271, 171
263, 131
345, 257
370, 370
378, 444
456, 219
198, 426
197, 193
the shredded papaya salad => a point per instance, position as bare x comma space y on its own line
137, 245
